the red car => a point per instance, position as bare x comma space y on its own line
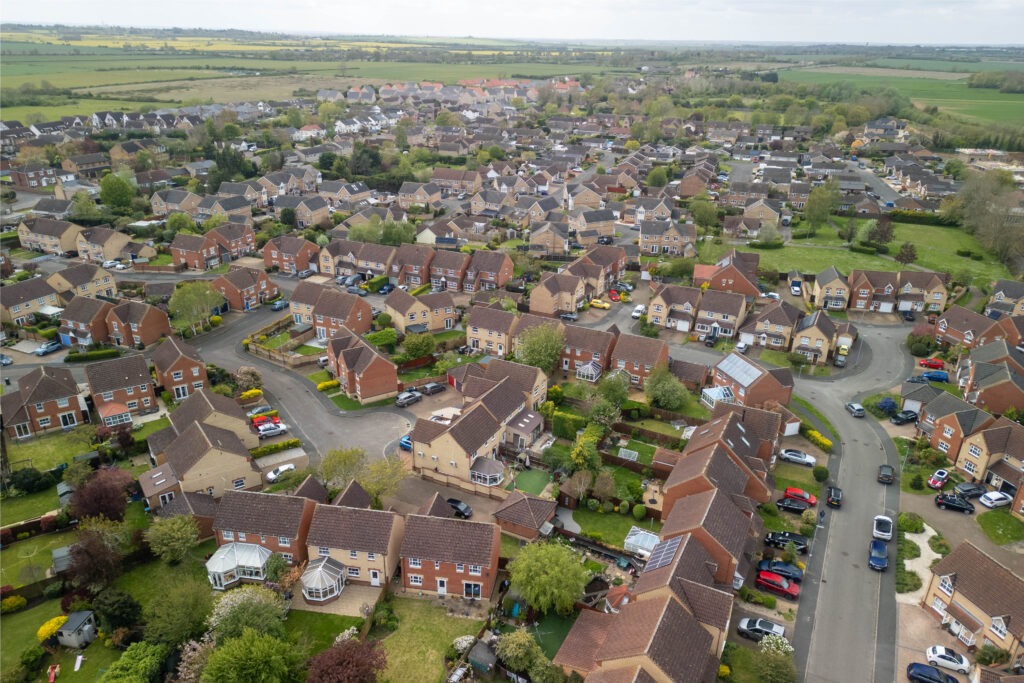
800, 494
933, 363
265, 420
938, 480
773, 583
614, 296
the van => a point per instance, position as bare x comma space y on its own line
323, 361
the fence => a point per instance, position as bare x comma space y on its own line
657, 437
146, 268
417, 383
491, 492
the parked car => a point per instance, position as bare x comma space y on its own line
386, 288
773, 583
995, 499
48, 347
265, 431
6, 360
741, 347
275, 474
358, 291
774, 296
951, 501
460, 508
878, 555
259, 420
797, 456
303, 274
792, 505
279, 305
569, 317
917, 379
834, 497
947, 659
122, 266
624, 285
938, 480
800, 494
407, 398
605, 239
839, 361
968, 490
779, 539
431, 388
599, 303
638, 311
855, 409
109, 264
756, 629
886, 474
258, 410
710, 340
940, 376
796, 290
405, 443
790, 571
903, 417
932, 363
909, 316
614, 296
923, 673
881, 528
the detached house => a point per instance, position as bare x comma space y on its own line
178, 367
962, 326
587, 352
83, 322
245, 288
309, 210
873, 290
996, 387
738, 379
994, 455
425, 313
196, 252
735, 272
234, 239
637, 356
450, 557
418, 194
334, 310
674, 307
166, 202
667, 237
557, 293
947, 420
721, 313
921, 292
363, 372
1007, 297
83, 279
772, 327
831, 290
135, 324
489, 328
47, 398
290, 254
488, 270
411, 265
815, 337
120, 388
365, 545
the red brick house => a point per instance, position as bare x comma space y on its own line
448, 269
450, 557
234, 239
364, 372
245, 288
411, 265
488, 270
947, 420
637, 356
290, 254
734, 272
962, 326
738, 379
84, 322
178, 367
586, 346
994, 387
873, 290
134, 324
47, 398
336, 310
195, 252
120, 388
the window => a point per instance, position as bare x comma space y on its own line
195, 372
241, 536
130, 391
108, 395
353, 572
371, 556
939, 606
947, 431
238, 483
437, 565
62, 403
943, 446
969, 467
974, 451
460, 567
133, 405
44, 422
284, 541
999, 627
228, 535
287, 557
946, 585
475, 569
197, 385
353, 554
415, 580
414, 563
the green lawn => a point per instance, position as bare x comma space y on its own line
148, 582
743, 663
315, 631
277, 341
47, 451
623, 477
777, 521
161, 260
150, 427
510, 546
416, 650
531, 481
1001, 527
319, 376
551, 630
656, 425
577, 390
417, 373
809, 408
26, 561
645, 451
448, 335
307, 350
345, 403
29, 506
611, 526
790, 474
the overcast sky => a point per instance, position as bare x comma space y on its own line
986, 22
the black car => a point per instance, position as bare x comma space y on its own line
909, 316
886, 474
460, 508
917, 379
792, 505
834, 497
923, 673
431, 388
710, 340
783, 569
903, 417
605, 239
779, 539
968, 490
951, 501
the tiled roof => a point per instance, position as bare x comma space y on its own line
27, 290
189, 503
171, 350
711, 463
265, 514
354, 496
196, 440
349, 528
312, 489
83, 309
132, 312
713, 511
487, 318
117, 373
589, 339
200, 404
581, 646
82, 273
449, 540
989, 585
526, 510
643, 350
437, 506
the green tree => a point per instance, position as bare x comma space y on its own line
705, 214
247, 607
446, 362
287, 216
192, 303
171, 538
341, 465
182, 615
849, 230
116, 192
955, 169
632, 145
518, 650
663, 390
214, 221
614, 388
550, 576
604, 485
395, 234
382, 478
385, 337
367, 232
254, 657
822, 201
116, 609
604, 412
881, 231
140, 663
419, 345
78, 473
446, 118
181, 222
657, 177
84, 207
541, 346
907, 253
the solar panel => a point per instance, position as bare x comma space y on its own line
662, 554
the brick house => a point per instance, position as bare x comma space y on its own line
178, 367
995, 387
947, 420
48, 236
365, 374
411, 265
962, 326
704, 468
1007, 297
338, 257
742, 380
83, 322
309, 210
425, 313
234, 239
336, 310
525, 516
120, 388
166, 202
734, 272
29, 300
490, 329
921, 292
245, 288
586, 346
720, 313
83, 279
448, 269
831, 290
674, 307
488, 270
47, 398
454, 180
611, 259
873, 290
367, 543
87, 165
195, 252
375, 259
637, 356
815, 336
102, 244
771, 327
135, 324
290, 254
418, 194
557, 293
303, 299
994, 455
450, 557
667, 237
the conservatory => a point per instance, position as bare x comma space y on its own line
323, 580
234, 562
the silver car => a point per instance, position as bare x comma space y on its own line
756, 629
797, 456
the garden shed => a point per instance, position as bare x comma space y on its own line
482, 657
78, 631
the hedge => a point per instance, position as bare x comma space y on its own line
766, 245
857, 249
328, 385
374, 285
420, 290
565, 425
817, 438
270, 449
84, 356
921, 218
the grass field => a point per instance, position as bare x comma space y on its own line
47, 451
416, 650
315, 631
947, 65
28, 506
27, 561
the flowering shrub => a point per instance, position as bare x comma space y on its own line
49, 629
328, 385
12, 604
776, 645
251, 395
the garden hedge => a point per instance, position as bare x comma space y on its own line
270, 449
85, 356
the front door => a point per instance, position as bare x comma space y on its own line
442, 586
374, 577
565, 363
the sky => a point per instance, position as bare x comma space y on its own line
960, 22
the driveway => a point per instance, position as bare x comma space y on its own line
414, 493
919, 631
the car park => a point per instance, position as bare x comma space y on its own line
784, 569
968, 490
407, 398
995, 499
903, 417
569, 317
279, 305
460, 508
924, 673
358, 291
938, 479
386, 288
48, 347
932, 363
797, 456
886, 474
756, 629
834, 497
599, 303
405, 443
951, 501
431, 388
773, 583
881, 528
275, 474
940, 376
800, 494
265, 431
6, 360
792, 505
638, 311
947, 659
855, 409
878, 555
303, 274
779, 539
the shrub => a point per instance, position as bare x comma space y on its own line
807, 530
818, 439
769, 510
607, 506
328, 385
919, 350
53, 590
910, 522
593, 504
374, 285
215, 320
565, 425
15, 603
85, 356
624, 507
724, 672
820, 473
906, 580
32, 657
939, 545
251, 395
990, 655
639, 513
420, 290
275, 448
31, 480
556, 394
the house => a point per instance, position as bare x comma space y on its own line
453, 180
196, 252
47, 398
83, 322
411, 265
80, 629
425, 313
136, 324
93, 165
667, 237
490, 329
873, 290
947, 420
741, 380
674, 307
526, 516
815, 336
638, 356
367, 543
771, 327
235, 208
364, 373
334, 310
234, 239
412, 194
741, 227
309, 210
557, 293
253, 192
921, 292
488, 270
199, 506
994, 455
996, 387
83, 279
961, 326
831, 290
25, 302
448, 270
48, 236
977, 599
550, 238
647, 209
720, 313
450, 557
245, 288
178, 368
103, 244
375, 259
120, 388
1007, 297
251, 526
587, 351
166, 202
734, 272
768, 212
207, 408
290, 254
709, 466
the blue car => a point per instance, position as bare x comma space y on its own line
405, 443
783, 569
386, 288
936, 376
279, 305
878, 555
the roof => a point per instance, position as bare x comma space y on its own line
117, 373
132, 312
643, 350
488, 318
353, 496
526, 510
189, 503
312, 489
45, 383
437, 506
83, 309
350, 528
450, 540
198, 439
266, 514
589, 339
741, 369
988, 584
27, 290
201, 404
170, 350
715, 512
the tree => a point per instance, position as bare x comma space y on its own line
518, 650
248, 377
395, 234
419, 345
182, 615
446, 362
342, 465
94, 563
368, 232
849, 230
254, 657
103, 495
663, 390
287, 216
604, 412
632, 145
657, 177
116, 192
171, 538
822, 201
193, 302
541, 347
84, 207
248, 607
141, 662
768, 234
181, 222
116, 609
214, 221
907, 253
350, 661
604, 485
881, 231
550, 576
383, 477
705, 214
77, 473
579, 483
384, 337
194, 655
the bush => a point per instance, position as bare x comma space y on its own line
15, 603
32, 657
910, 522
53, 590
639, 513
251, 395
86, 356
769, 510
820, 473
215, 320
990, 655
328, 385
808, 530
858, 249
818, 439
939, 545
917, 483
906, 581
565, 425
275, 448
593, 504
374, 285
624, 507
556, 394
31, 480
420, 290
919, 350
607, 506
724, 672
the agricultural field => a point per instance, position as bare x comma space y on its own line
947, 65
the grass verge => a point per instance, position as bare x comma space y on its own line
345, 403
807, 407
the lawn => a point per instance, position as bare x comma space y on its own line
307, 350
26, 561
808, 407
611, 527
1001, 527
531, 481
315, 631
577, 390
658, 426
319, 376
645, 451
150, 427
161, 260
623, 477
277, 341
148, 582
777, 521
510, 546
47, 451
789, 474
416, 373
448, 335
556, 451
743, 663
416, 650
551, 630
28, 506
345, 403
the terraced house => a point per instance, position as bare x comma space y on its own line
29, 300
48, 236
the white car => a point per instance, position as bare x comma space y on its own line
881, 528
795, 290
947, 659
275, 474
742, 347
265, 431
110, 264
798, 457
995, 499
122, 266
638, 311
